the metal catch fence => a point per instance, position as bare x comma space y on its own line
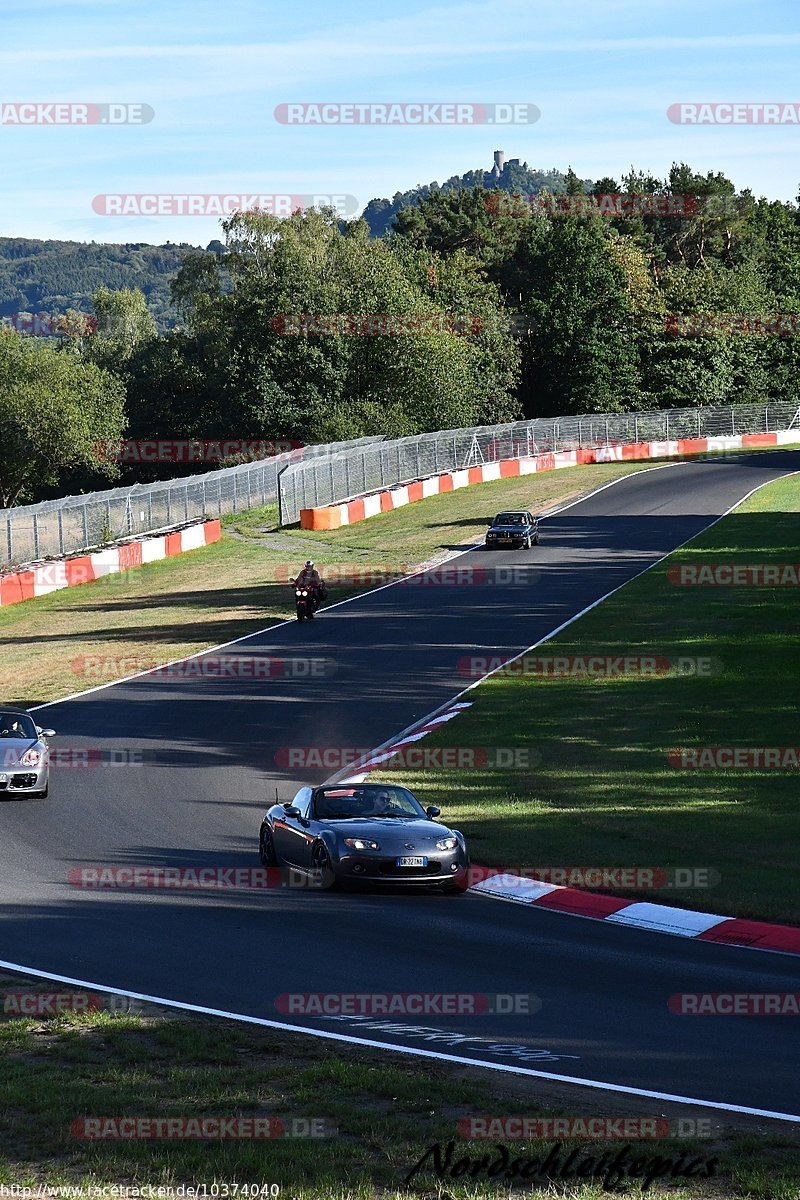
336, 477
73, 523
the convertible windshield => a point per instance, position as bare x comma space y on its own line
17, 725
345, 803
511, 518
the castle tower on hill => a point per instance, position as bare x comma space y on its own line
500, 167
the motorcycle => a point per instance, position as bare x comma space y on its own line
306, 601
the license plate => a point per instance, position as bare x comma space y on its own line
411, 862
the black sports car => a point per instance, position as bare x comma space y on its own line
370, 832
515, 528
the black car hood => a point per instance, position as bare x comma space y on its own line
508, 528
394, 831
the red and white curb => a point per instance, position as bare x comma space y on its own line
334, 516
367, 766
598, 906
658, 918
39, 579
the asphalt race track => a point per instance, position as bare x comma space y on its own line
208, 771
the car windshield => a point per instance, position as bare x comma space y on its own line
510, 518
370, 802
17, 725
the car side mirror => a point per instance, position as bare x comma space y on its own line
291, 811
46, 732
433, 811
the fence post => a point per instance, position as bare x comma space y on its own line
606, 430
85, 524
186, 503
666, 432
169, 505
636, 428
766, 418
10, 539
60, 531
35, 535
234, 491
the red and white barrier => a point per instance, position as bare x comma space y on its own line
40, 579
334, 516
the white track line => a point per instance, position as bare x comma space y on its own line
377, 1045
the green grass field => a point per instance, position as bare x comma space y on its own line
604, 792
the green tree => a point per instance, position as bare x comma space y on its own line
584, 355
56, 414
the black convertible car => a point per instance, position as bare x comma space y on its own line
514, 528
370, 832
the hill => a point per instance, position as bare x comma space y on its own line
52, 276
509, 175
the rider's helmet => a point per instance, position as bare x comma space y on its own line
309, 563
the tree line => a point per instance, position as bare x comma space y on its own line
563, 307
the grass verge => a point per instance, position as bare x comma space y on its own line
604, 792
381, 1114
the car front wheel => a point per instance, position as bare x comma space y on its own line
266, 850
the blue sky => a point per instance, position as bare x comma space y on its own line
602, 74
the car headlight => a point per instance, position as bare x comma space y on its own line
31, 758
362, 844
448, 843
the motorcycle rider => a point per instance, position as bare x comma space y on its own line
310, 578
